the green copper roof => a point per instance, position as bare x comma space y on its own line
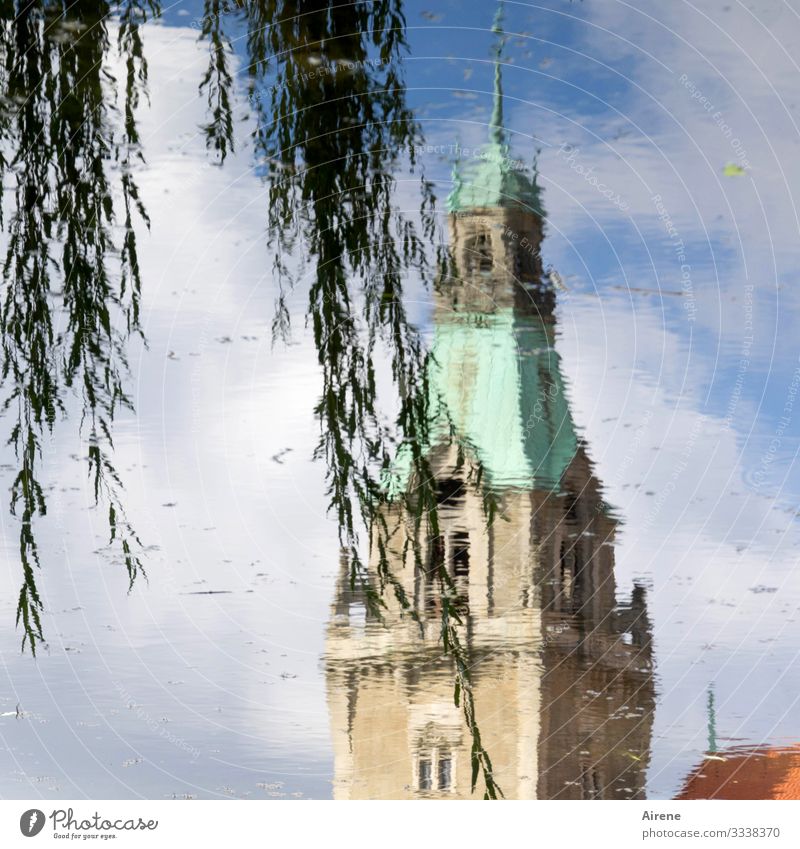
491, 179
496, 380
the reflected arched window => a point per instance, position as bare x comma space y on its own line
434, 761
479, 257
425, 774
434, 772
445, 777
444, 771
591, 787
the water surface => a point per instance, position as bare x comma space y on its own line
421, 423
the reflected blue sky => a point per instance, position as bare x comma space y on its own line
623, 90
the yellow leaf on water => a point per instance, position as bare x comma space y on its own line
731, 170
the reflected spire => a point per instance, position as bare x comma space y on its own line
496, 129
492, 178
712, 721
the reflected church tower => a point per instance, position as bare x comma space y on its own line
561, 672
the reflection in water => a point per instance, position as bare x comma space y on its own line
479, 559
71, 282
558, 677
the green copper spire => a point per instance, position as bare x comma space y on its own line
712, 721
496, 124
489, 177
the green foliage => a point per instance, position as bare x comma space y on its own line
71, 283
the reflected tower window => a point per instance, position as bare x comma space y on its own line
567, 563
445, 776
425, 775
357, 617
435, 770
460, 543
436, 559
479, 255
590, 783
450, 491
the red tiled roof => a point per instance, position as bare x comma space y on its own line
746, 773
